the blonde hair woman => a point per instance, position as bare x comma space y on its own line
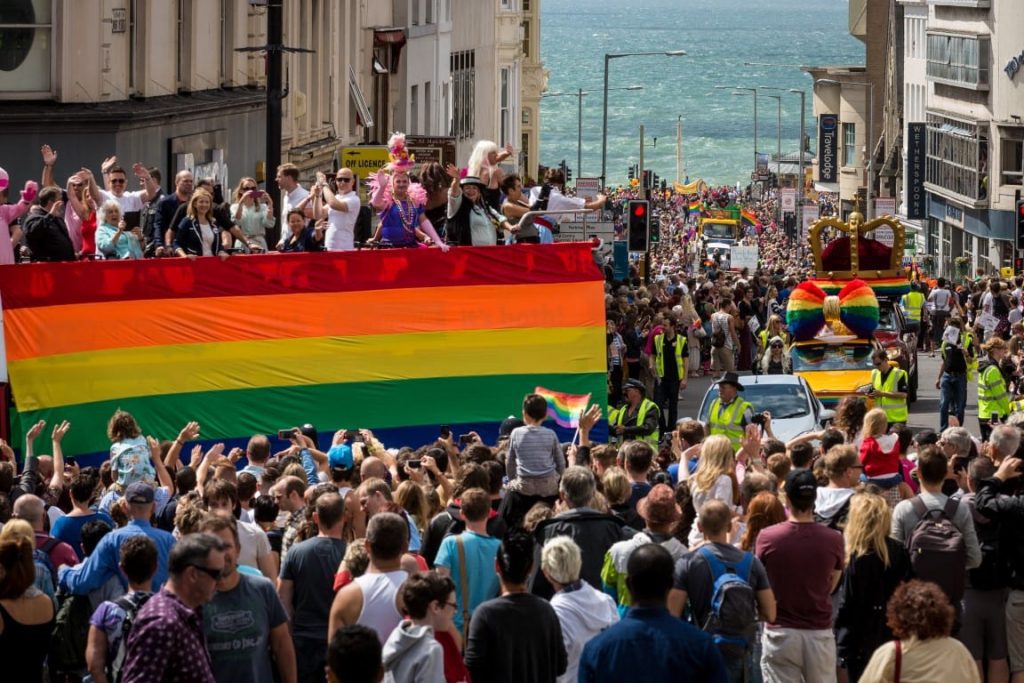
198, 233
483, 164
713, 480
689, 317
875, 566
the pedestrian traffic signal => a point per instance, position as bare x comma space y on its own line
638, 224
1020, 224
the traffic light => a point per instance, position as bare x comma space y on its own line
654, 236
646, 184
568, 175
639, 223
654, 180
632, 171
1020, 224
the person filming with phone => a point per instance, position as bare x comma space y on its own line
253, 212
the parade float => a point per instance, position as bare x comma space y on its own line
851, 306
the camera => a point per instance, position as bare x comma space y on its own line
465, 439
415, 464
445, 431
286, 434
758, 420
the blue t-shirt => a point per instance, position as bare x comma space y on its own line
481, 551
673, 470
69, 528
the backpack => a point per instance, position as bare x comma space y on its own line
937, 549
733, 617
717, 334
131, 604
837, 522
70, 635
41, 558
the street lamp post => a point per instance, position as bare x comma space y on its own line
869, 146
800, 185
744, 91
580, 94
604, 127
778, 149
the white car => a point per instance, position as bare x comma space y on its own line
788, 398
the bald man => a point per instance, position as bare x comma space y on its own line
32, 509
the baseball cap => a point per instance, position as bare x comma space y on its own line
801, 486
508, 424
340, 456
140, 493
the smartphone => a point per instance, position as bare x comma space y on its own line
256, 194
445, 431
285, 434
415, 464
465, 439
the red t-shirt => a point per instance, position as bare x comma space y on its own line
800, 558
455, 670
60, 554
880, 455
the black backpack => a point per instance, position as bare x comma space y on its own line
70, 635
937, 549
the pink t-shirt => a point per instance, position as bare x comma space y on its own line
8, 214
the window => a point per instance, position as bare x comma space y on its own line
428, 108
509, 5
1011, 152
26, 47
463, 70
959, 60
506, 106
849, 144
526, 38
430, 12
957, 158
416, 6
133, 44
526, 5
414, 109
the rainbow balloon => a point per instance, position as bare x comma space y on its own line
401, 340
810, 309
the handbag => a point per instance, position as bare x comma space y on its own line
464, 585
698, 330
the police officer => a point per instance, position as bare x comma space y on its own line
668, 364
889, 388
913, 306
638, 418
730, 414
993, 396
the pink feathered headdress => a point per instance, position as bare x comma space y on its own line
401, 160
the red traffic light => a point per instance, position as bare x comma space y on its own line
639, 210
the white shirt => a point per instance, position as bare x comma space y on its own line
558, 201
341, 225
289, 200
206, 233
253, 544
129, 201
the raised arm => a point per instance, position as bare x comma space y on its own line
142, 173
59, 430
49, 161
377, 201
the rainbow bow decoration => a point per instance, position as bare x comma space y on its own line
854, 310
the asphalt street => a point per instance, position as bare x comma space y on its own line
924, 413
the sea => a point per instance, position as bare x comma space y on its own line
720, 36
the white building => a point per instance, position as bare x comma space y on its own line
486, 72
424, 77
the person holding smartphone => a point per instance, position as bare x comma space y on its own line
253, 212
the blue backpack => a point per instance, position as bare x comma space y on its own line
733, 616
46, 575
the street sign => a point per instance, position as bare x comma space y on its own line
364, 162
588, 188
788, 197
578, 231
429, 149
885, 206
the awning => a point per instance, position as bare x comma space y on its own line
389, 36
365, 117
827, 187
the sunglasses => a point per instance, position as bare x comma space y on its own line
344, 179
214, 574
250, 187
117, 181
776, 346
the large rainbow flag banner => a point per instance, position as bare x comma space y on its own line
401, 340
749, 217
564, 409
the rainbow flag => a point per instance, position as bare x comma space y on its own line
564, 409
695, 207
748, 217
399, 340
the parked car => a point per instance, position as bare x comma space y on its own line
788, 398
900, 344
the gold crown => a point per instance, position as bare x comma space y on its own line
852, 254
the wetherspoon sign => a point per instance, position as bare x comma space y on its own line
914, 184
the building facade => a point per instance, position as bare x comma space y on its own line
534, 83
975, 136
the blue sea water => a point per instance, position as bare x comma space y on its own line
719, 35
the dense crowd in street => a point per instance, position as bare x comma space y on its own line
677, 549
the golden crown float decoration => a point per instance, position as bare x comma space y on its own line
853, 270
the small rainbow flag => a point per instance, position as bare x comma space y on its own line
749, 217
565, 409
695, 207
